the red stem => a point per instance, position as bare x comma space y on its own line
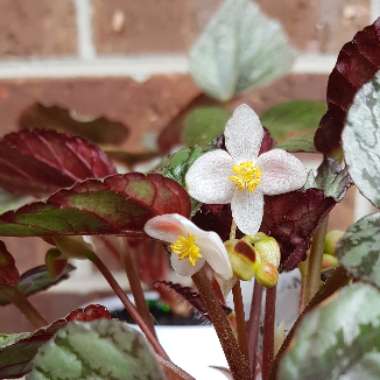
136, 288
254, 326
128, 305
240, 319
269, 326
237, 362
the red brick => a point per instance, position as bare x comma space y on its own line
128, 26
37, 28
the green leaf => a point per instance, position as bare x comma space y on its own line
359, 249
303, 144
361, 137
331, 178
291, 117
339, 340
104, 349
204, 124
18, 350
240, 47
37, 279
177, 164
120, 204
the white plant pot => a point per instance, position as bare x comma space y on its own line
197, 348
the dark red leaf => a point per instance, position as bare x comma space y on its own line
291, 219
9, 275
35, 162
216, 218
120, 204
99, 130
16, 358
357, 63
189, 295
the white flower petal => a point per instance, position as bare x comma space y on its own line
281, 172
247, 210
207, 179
168, 227
244, 134
215, 253
183, 267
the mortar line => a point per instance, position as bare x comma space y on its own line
86, 48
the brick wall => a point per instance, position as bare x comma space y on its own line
126, 59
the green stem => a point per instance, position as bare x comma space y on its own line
237, 362
130, 308
136, 288
269, 326
30, 312
315, 262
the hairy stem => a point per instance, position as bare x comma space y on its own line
269, 326
136, 287
128, 305
254, 326
26, 308
240, 319
237, 361
315, 262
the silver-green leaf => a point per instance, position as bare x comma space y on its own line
103, 349
359, 249
361, 140
339, 340
240, 47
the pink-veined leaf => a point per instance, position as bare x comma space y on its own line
18, 350
37, 162
357, 63
119, 204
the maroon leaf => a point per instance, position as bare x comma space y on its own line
35, 162
357, 63
189, 295
99, 130
291, 219
9, 275
120, 204
16, 356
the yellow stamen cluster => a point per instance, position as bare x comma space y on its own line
247, 176
185, 247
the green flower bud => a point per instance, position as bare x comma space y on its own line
331, 240
243, 258
329, 262
74, 247
267, 275
255, 256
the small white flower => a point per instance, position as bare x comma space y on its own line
190, 246
241, 177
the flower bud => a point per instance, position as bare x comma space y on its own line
243, 258
74, 247
331, 240
255, 256
55, 262
267, 247
329, 262
267, 275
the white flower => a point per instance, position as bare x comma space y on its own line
241, 177
190, 246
